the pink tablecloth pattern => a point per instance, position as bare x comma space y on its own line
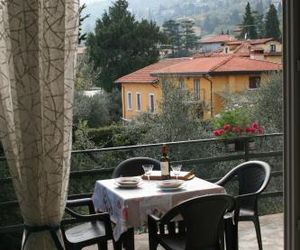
130, 207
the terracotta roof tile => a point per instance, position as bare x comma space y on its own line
242, 64
200, 65
218, 64
143, 75
217, 39
197, 65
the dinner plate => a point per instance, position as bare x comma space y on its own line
170, 183
128, 181
128, 185
169, 189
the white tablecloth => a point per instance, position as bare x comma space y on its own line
130, 207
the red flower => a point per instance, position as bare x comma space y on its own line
255, 125
227, 127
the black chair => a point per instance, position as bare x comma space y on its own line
201, 227
91, 229
133, 166
252, 177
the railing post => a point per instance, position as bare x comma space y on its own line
246, 149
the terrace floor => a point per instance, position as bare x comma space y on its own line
271, 229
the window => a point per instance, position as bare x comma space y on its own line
138, 102
254, 82
151, 103
129, 101
197, 89
181, 83
272, 48
226, 50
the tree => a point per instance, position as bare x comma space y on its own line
121, 45
172, 32
272, 23
259, 22
94, 110
248, 25
81, 36
269, 103
189, 38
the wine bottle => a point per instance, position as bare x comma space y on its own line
165, 163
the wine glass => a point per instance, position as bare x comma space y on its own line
176, 170
148, 169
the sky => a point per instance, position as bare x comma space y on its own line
89, 1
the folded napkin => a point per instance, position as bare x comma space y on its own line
184, 175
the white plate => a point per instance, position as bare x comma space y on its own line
128, 186
128, 181
170, 183
169, 189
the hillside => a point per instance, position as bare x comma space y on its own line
210, 16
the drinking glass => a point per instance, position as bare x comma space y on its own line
176, 170
148, 169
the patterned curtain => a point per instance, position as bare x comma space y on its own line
37, 62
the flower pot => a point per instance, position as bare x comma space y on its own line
235, 145
251, 145
230, 146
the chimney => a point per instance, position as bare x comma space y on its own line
257, 54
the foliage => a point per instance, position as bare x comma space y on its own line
259, 22
272, 23
103, 136
248, 25
172, 32
115, 105
264, 104
235, 123
81, 138
85, 74
94, 110
180, 36
81, 36
269, 103
120, 44
189, 39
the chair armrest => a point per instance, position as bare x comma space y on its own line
79, 202
91, 217
88, 202
228, 177
153, 218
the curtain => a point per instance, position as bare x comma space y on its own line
38, 39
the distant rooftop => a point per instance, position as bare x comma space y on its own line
215, 64
217, 39
144, 75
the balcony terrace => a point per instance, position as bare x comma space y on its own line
209, 160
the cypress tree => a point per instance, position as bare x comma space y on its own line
248, 26
272, 23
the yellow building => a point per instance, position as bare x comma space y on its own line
207, 78
268, 49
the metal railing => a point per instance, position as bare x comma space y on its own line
219, 155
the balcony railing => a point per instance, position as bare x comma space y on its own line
208, 158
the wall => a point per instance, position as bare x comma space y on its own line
220, 85
144, 89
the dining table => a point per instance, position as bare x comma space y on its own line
129, 207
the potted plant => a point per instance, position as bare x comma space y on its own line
234, 124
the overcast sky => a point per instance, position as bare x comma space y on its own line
89, 1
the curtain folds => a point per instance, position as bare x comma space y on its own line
38, 40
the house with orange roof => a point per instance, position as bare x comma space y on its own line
207, 78
213, 43
268, 49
